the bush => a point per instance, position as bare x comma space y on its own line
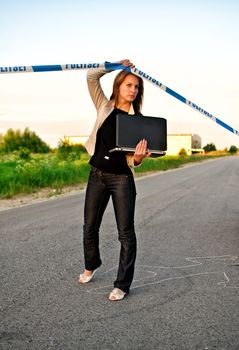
182, 152
24, 153
233, 149
70, 152
209, 147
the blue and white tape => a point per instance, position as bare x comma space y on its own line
59, 67
114, 66
184, 100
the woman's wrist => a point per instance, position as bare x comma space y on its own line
137, 161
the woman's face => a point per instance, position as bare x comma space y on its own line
129, 88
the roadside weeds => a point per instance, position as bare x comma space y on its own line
50, 193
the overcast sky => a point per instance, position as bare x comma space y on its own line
190, 46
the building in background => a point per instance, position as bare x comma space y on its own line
75, 140
190, 142
175, 143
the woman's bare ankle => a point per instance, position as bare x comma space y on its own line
88, 273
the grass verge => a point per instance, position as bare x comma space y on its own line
40, 171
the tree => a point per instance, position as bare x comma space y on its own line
233, 149
15, 140
33, 142
209, 147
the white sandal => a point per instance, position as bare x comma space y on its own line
85, 279
117, 294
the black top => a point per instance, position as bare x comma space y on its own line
114, 162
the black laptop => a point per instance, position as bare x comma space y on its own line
130, 129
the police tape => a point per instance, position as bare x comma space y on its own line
115, 66
183, 99
59, 67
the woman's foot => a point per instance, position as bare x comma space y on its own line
117, 294
86, 276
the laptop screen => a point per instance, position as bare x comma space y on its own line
131, 129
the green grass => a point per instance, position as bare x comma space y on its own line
40, 171
19, 176
167, 162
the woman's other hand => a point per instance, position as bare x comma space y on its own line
141, 152
127, 63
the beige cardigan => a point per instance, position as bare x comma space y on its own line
103, 106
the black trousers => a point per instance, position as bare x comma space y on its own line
122, 190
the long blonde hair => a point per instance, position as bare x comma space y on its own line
120, 77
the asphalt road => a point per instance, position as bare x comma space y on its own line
185, 292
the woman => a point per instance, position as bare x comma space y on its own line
111, 175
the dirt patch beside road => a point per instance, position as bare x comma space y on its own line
39, 196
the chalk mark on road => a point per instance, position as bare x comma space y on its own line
194, 262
